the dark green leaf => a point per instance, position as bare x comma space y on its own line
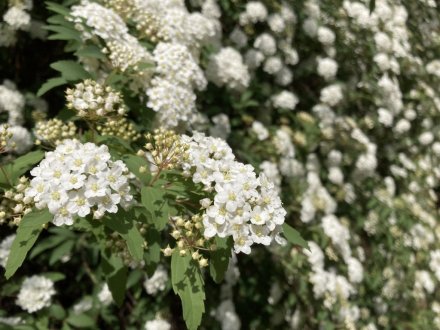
90, 51
152, 255
123, 223
27, 234
116, 275
219, 261
293, 236
50, 84
61, 251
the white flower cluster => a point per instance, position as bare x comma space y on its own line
245, 206
125, 50
79, 179
17, 18
35, 293
255, 12
91, 99
12, 102
285, 100
21, 139
5, 248
226, 68
171, 93
157, 282
157, 324
260, 130
105, 296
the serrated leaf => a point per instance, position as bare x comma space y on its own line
50, 84
294, 237
123, 223
28, 231
153, 199
70, 70
188, 283
219, 261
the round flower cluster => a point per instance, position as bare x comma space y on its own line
17, 18
285, 100
53, 131
12, 102
92, 100
255, 12
36, 293
227, 68
5, 248
77, 179
157, 282
15, 139
244, 206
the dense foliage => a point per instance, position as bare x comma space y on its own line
156, 155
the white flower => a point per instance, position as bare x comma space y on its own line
225, 313
273, 65
261, 131
245, 206
255, 12
285, 100
78, 179
227, 68
105, 296
35, 293
266, 44
17, 18
327, 68
5, 248
331, 95
157, 324
157, 282
326, 36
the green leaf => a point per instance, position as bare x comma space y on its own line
219, 261
70, 70
52, 6
90, 51
152, 255
50, 84
57, 311
187, 282
123, 223
134, 163
46, 244
294, 237
19, 166
116, 275
28, 231
61, 251
81, 321
64, 33
372, 5
55, 276
153, 199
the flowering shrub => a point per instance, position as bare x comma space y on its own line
219, 164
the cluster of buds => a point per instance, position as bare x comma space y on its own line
5, 137
53, 131
14, 205
124, 8
149, 27
119, 127
188, 232
165, 150
92, 100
